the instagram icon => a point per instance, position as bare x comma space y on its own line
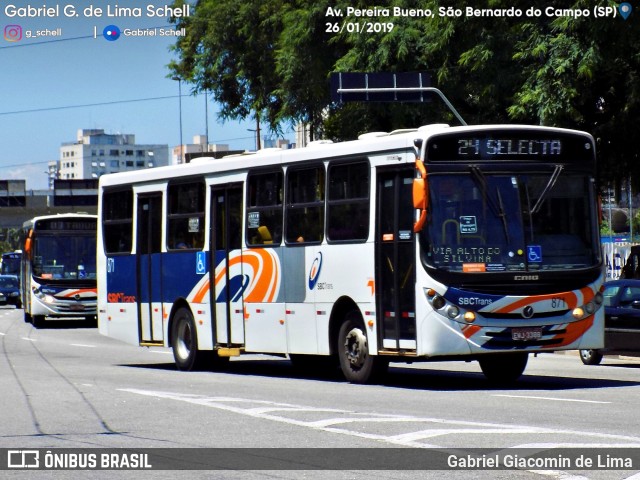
13, 33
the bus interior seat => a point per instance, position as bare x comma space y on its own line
264, 235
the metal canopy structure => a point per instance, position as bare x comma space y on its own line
413, 87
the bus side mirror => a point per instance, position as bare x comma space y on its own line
27, 245
420, 195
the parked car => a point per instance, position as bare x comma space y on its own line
10, 291
621, 323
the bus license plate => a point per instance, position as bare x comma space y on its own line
534, 333
76, 307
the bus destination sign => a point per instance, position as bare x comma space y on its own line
509, 145
512, 147
58, 224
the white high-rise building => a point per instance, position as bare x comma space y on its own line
95, 153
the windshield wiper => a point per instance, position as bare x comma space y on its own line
503, 215
498, 210
552, 181
526, 190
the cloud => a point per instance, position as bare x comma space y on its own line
34, 174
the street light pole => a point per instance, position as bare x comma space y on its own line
257, 132
206, 120
180, 107
630, 212
181, 159
256, 137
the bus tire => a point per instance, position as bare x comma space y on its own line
503, 368
184, 341
353, 352
37, 321
590, 357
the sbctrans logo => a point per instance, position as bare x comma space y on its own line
314, 273
23, 459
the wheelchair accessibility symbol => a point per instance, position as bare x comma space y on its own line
534, 253
201, 263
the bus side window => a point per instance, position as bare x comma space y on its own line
264, 208
117, 221
305, 205
185, 216
348, 202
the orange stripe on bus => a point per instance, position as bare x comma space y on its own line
79, 291
574, 331
470, 330
200, 294
570, 299
264, 277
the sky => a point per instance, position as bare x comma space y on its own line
53, 86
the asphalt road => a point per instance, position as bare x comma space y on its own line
65, 386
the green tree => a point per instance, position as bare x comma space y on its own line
304, 59
274, 58
229, 50
267, 59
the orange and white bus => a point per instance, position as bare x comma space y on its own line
58, 268
439, 243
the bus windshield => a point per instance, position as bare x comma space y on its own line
63, 256
11, 264
496, 222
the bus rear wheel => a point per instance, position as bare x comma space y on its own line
357, 365
184, 341
503, 368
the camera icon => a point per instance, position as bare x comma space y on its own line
13, 33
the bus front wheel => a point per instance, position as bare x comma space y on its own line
503, 368
357, 365
590, 357
184, 341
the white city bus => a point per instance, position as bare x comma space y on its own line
58, 269
439, 243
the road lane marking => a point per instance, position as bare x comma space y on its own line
82, 345
267, 410
550, 398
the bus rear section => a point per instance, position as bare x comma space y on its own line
58, 273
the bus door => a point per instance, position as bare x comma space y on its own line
149, 268
228, 279
395, 258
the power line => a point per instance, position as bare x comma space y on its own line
43, 42
113, 102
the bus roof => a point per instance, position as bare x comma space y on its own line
33, 220
368, 143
